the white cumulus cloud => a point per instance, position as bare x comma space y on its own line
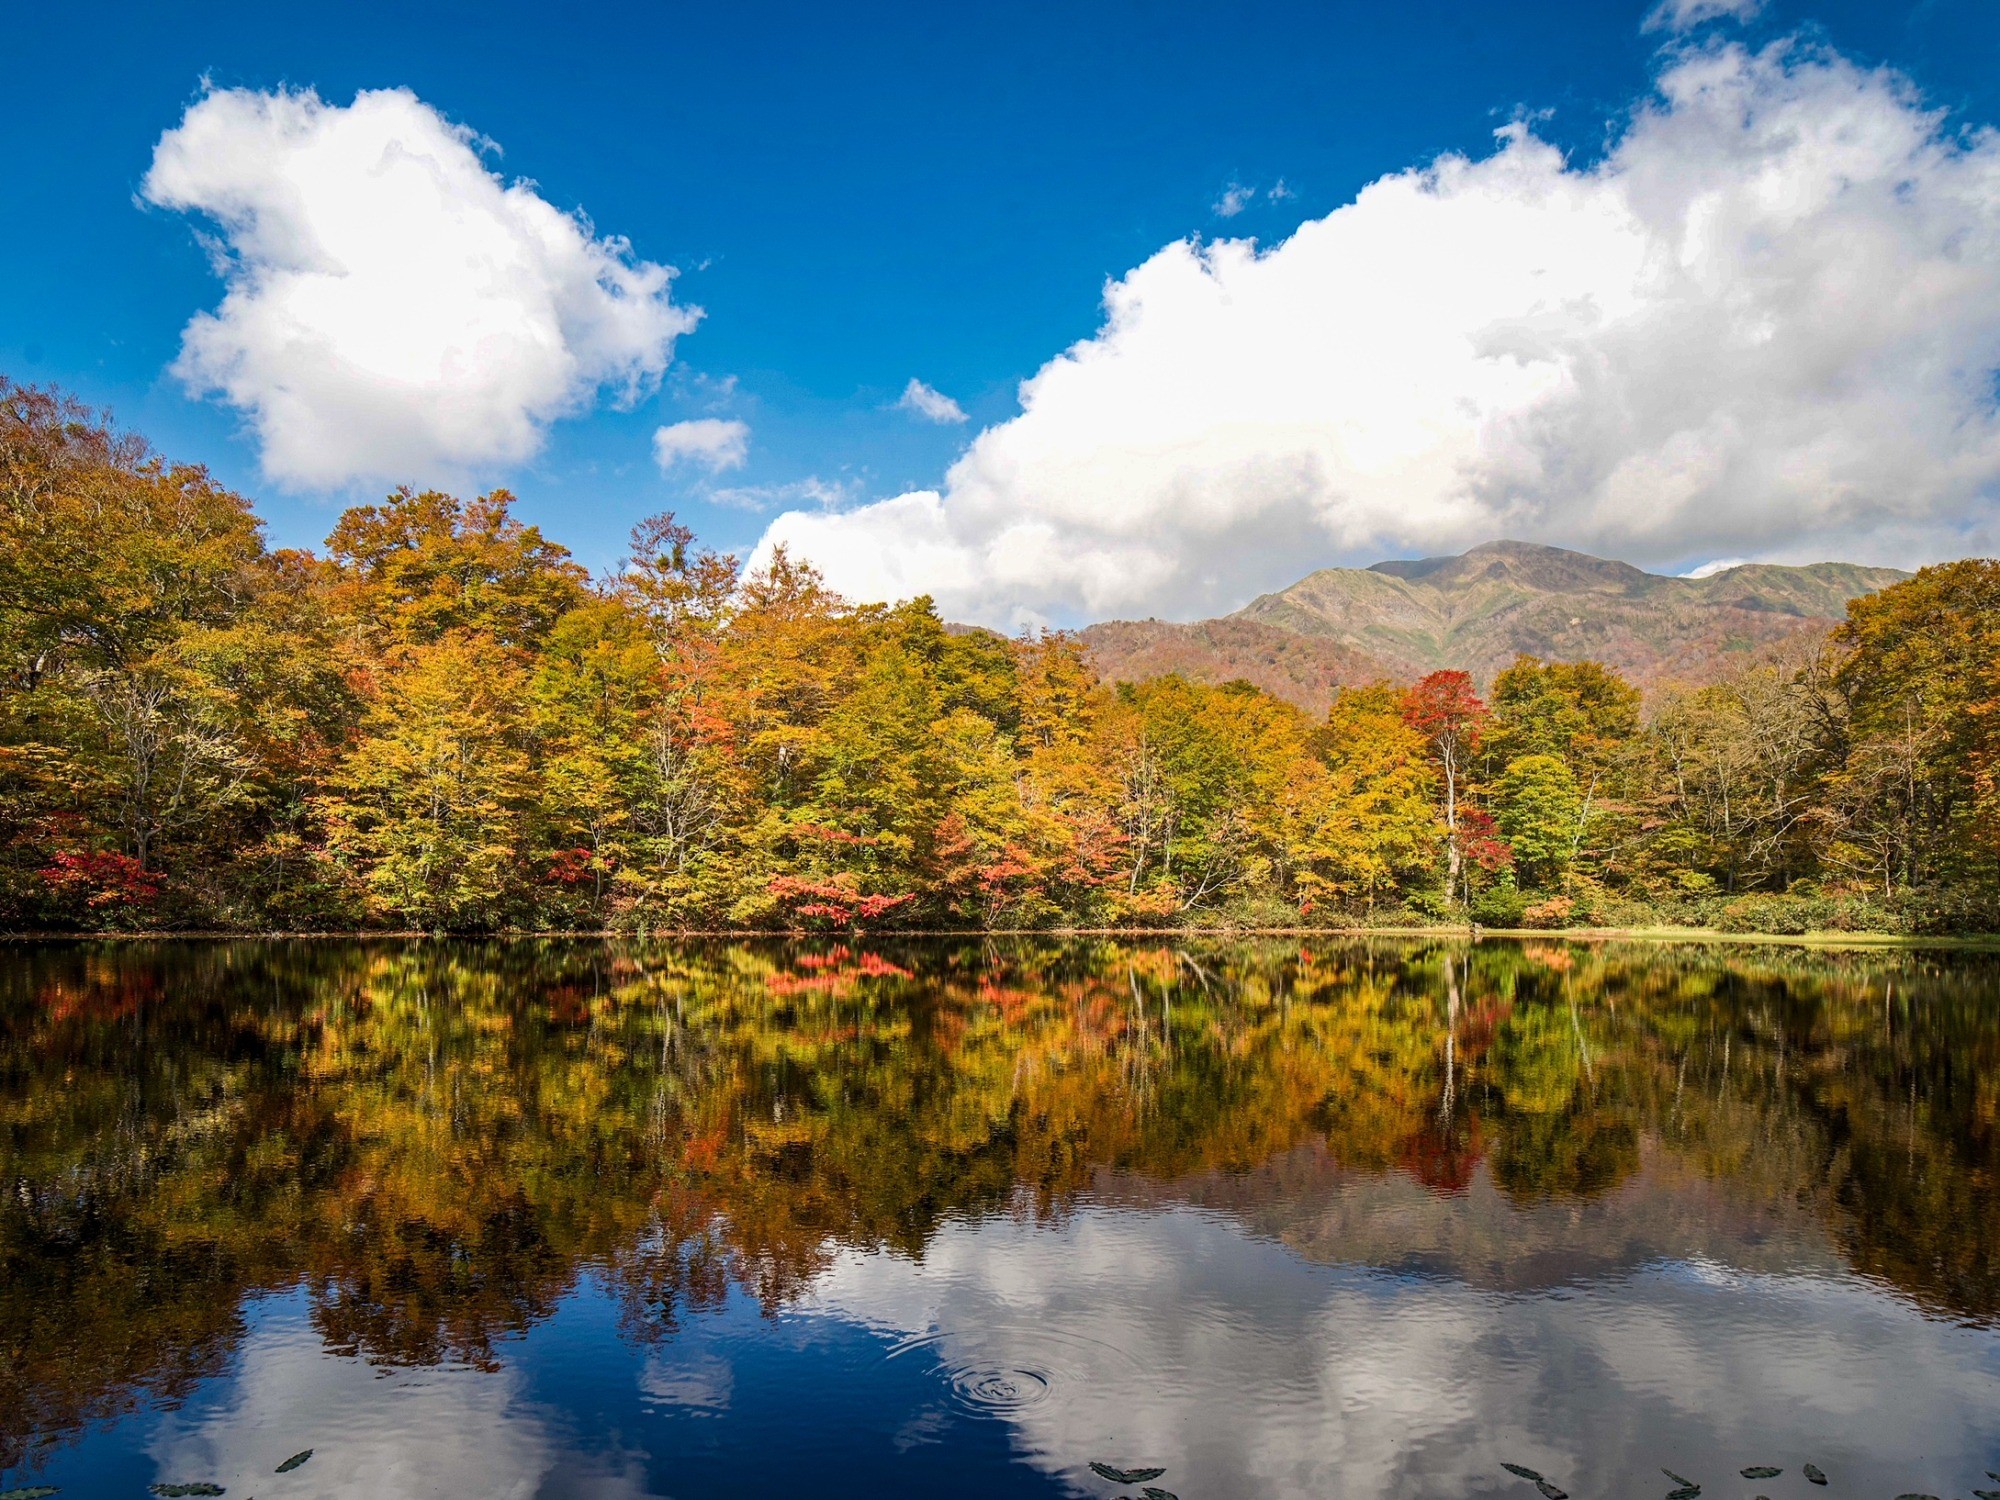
392, 309
931, 404
1765, 323
712, 443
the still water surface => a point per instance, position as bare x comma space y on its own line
621, 1220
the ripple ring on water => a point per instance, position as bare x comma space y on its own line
1003, 1392
1004, 1388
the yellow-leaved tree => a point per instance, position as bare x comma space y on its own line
428, 810
1364, 811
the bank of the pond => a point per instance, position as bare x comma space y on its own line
1461, 932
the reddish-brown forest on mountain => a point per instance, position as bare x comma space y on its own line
1477, 612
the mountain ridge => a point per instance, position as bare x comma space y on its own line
1478, 609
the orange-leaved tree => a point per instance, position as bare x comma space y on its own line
1446, 710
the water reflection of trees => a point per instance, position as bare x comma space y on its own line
436, 1141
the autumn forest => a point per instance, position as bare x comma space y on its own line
443, 722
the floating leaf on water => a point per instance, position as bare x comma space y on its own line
1761, 1471
1916, 1497
188, 1489
1982, 1494
29, 1492
1681, 1479
293, 1462
1687, 1493
1124, 1476
1523, 1470
1551, 1491
1815, 1473
1153, 1492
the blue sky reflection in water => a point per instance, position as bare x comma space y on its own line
590, 1220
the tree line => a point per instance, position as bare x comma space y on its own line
442, 721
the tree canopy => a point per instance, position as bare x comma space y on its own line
444, 722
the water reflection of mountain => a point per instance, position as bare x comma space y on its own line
435, 1140
1327, 1213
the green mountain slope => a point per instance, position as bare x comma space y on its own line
1477, 611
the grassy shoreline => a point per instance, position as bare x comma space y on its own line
1461, 931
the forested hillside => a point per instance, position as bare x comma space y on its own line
1478, 611
442, 721
1305, 670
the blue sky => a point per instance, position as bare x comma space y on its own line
859, 196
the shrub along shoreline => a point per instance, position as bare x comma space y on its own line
1695, 936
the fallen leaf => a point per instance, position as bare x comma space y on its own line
1124, 1476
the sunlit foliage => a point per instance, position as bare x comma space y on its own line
445, 723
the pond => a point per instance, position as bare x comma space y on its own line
600, 1219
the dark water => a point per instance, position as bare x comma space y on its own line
625, 1220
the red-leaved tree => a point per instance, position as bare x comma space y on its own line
1445, 709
